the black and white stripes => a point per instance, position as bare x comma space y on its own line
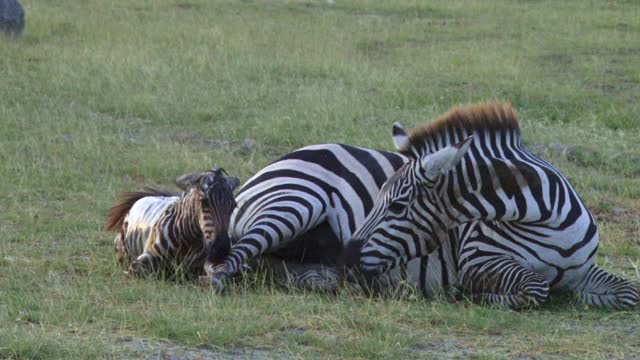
331, 185
532, 232
462, 205
158, 230
304, 207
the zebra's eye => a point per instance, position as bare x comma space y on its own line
397, 207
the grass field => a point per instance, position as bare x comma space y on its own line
100, 97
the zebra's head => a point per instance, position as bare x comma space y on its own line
407, 219
215, 191
203, 180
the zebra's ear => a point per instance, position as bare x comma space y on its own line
400, 137
187, 181
445, 159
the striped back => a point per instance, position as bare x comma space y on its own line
133, 217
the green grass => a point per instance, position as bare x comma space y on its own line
100, 97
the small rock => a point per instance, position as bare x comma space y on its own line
618, 211
575, 153
249, 144
554, 148
66, 137
11, 18
563, 149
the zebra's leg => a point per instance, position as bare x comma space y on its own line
600, 288
146, 264
301, 276
500, 280
247, 248
268, 234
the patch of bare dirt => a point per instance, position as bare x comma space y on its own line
626, 162
569, 151
136, 348
559, 59
442, 349
243, 147
613, 324
185, 6
615, 213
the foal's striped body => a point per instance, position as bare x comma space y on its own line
158, 230
161, 232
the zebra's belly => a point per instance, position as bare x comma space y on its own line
318, 245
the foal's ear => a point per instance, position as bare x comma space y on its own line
445, 159
187, 181
232, 181
400, 137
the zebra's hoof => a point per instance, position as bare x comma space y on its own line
246, 269
217, 282
212, 269
138, 269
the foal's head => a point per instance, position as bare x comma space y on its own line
215, 190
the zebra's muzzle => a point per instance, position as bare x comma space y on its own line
369, 270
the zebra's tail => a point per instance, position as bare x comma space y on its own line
126, 200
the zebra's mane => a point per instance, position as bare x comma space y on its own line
126, 200
465, 120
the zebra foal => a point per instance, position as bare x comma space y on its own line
161, 231
528, 233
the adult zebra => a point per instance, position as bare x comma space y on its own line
529, 230
304, 207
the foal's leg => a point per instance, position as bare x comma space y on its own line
146, 264
600, 288
500, 280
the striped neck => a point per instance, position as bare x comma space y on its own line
497, 179
493, 119
488, 141
188, 212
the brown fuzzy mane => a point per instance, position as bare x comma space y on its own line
486, 116
125, 203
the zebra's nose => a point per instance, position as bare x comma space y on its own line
352, 252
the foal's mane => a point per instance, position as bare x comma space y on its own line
125, 203
489, 116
